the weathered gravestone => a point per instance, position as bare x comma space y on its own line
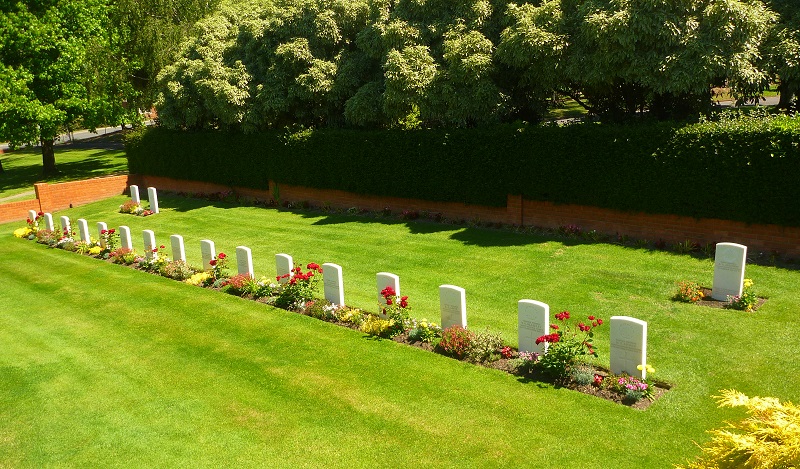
453, 306
152, 197
244, 261
135, 194
101, 227
83, 230
283, 266
178, 249
48, 222
385, 279
208, 252
533, 321
729, 262
333, 283
149, 239
628, 337
125, 237
66, 227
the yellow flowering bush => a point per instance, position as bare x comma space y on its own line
198, 279
768, 438
373, 325
23, 232
95, 250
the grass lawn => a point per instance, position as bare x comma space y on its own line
23, 168
106, 366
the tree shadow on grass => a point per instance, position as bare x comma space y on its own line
470, 233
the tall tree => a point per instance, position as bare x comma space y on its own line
57, 70
148, 34
782, 52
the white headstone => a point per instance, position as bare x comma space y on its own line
453, 305
152, 197
65, 225
283, 265
149, 244
101, 226
533, 321
83, 229
385, 279
334, 285
178, 250
208, 252
48, 222
244, 260
729, 264
135, 194
125, 237
32, 215
628, 337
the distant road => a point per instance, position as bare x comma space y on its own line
79, 135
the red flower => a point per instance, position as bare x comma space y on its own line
278, 277
312, 266
554, 326
155, 249
28, 221
388, 300
404, 302
388, 291
162, 246
221, 256
293, 281
591, 318
599, 322
112, 231
102, 232
562, 316
212, 262
41, 214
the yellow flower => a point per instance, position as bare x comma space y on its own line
748, 283
648, 368
22, 232
198, 279
95, 250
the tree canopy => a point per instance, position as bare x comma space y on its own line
55, 71
404, 63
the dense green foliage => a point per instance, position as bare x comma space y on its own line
54, 71
436, 63
710, 169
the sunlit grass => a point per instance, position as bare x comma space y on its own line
100, 364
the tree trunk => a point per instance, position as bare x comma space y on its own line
785, 96
1, 167
48, 158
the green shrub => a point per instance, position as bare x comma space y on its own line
708, 169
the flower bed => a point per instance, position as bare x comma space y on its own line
567, 362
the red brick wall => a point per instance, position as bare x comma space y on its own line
63, 195
14, 211
669, 228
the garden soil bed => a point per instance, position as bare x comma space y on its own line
712, 303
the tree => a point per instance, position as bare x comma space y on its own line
626, 56
782, 52
148, 34
57, 70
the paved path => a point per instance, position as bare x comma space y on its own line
79, 135
17, 196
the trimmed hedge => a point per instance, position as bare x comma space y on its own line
746, 169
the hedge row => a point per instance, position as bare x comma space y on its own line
746, 169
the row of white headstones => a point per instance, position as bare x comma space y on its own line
628, 336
